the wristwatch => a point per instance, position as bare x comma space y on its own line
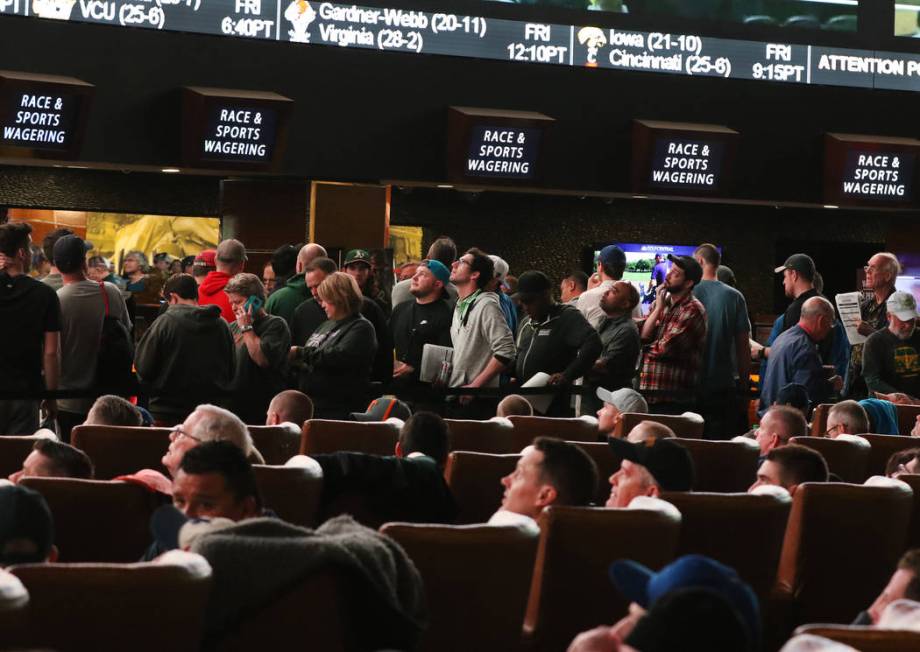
245, 329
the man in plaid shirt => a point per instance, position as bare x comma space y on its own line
675, 338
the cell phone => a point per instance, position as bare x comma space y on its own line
253, 304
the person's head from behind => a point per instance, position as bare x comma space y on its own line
611, 262
111, 410
425, 433
789, 466
316, 272
181, 289
846, 418
903, 462
550, 472
284, 262
573, 284
514, 405
648, 468
307, 254
207, 423
473, 269
443, 250
26, 527
15, 238
51, 239
230, 257
53, 459
903, 585
340, 296
647, 430
817, 318
289, 406
616, 404
795, 395
708, 256
216, 480
778, 425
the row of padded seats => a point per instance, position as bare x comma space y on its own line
853, 461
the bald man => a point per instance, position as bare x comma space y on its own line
290, 406
284, 300
794, 357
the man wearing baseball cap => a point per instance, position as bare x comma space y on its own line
358, 265
648, 468
425, 320
891, 357
611, 263
204, 263
675, 338
615, 404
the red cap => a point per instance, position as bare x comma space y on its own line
206, 258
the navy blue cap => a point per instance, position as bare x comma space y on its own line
612, 255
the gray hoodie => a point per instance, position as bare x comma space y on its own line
481, 335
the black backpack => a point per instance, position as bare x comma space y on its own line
114, 370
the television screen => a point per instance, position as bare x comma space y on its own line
909, 284
646, 266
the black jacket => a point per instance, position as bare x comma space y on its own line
564, 342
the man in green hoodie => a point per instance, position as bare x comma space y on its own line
284, 300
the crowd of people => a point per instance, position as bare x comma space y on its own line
457, 337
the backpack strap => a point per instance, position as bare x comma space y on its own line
105, 297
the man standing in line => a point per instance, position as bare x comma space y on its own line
611, 263
230, 261
284, 301
881, 273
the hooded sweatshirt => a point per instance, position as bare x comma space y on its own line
211, 292
28, 310
284, 301
187, 357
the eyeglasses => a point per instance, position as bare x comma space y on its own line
180, 433
463, 261
830, 431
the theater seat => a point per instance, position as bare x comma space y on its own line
913, 532
494, 436
883, 447
276, 443
757, 525
907, 418
122, 450
292, 492
722, 466
14, 604
847, 459
571, 592
866, 639
475, 481
116, 607
607, 464
328, 436
481, 609
13, 451
819, 419
690, 425
98, 520
842, 543
577, 429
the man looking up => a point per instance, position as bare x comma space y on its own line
727, 359
675, 334
648, 468
611, 263
780, 424
891, 356
207, 423
573, 285
284, 301
30, 329
230, 261
442, 250
789, 466
615, 404
881, 273
794, 356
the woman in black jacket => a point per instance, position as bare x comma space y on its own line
335, 362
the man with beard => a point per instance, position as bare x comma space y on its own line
891, 357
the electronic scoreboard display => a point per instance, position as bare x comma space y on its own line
419, 32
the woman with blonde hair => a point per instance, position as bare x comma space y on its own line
337, 358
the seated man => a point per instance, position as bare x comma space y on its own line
789, 466
111, 410
846, 418
409, 486
208, 423
383, 408
645, 430
26, 529
550, 472
514, 405
647, 469
904, 584
903, 462
778, 425
53, 459
615, 404
290, 406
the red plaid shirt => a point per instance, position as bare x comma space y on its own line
671, 364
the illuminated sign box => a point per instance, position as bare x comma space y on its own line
494, 146
682, 158
869, 170
42, 116
233, 128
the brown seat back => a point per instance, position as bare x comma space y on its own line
292, 492
497, 436
492, 600
848, 460
757, 525
907, 418
722, 466
607, 464
819, 419
98, 520
883, 447
122, 450
571, 591
14, 605
13, 452
683, 426
276, 443
115, 607
866, 639
577, 429
913, 532
842, 543
328, 436
475, 481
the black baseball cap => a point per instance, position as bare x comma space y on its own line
690, 267
26, 526
69, 253
801, 263
612, 255
383, 408
668, 462
532, 283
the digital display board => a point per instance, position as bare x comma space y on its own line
43, 115
870, 170
418, 32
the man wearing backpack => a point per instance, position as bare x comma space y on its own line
84, 306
